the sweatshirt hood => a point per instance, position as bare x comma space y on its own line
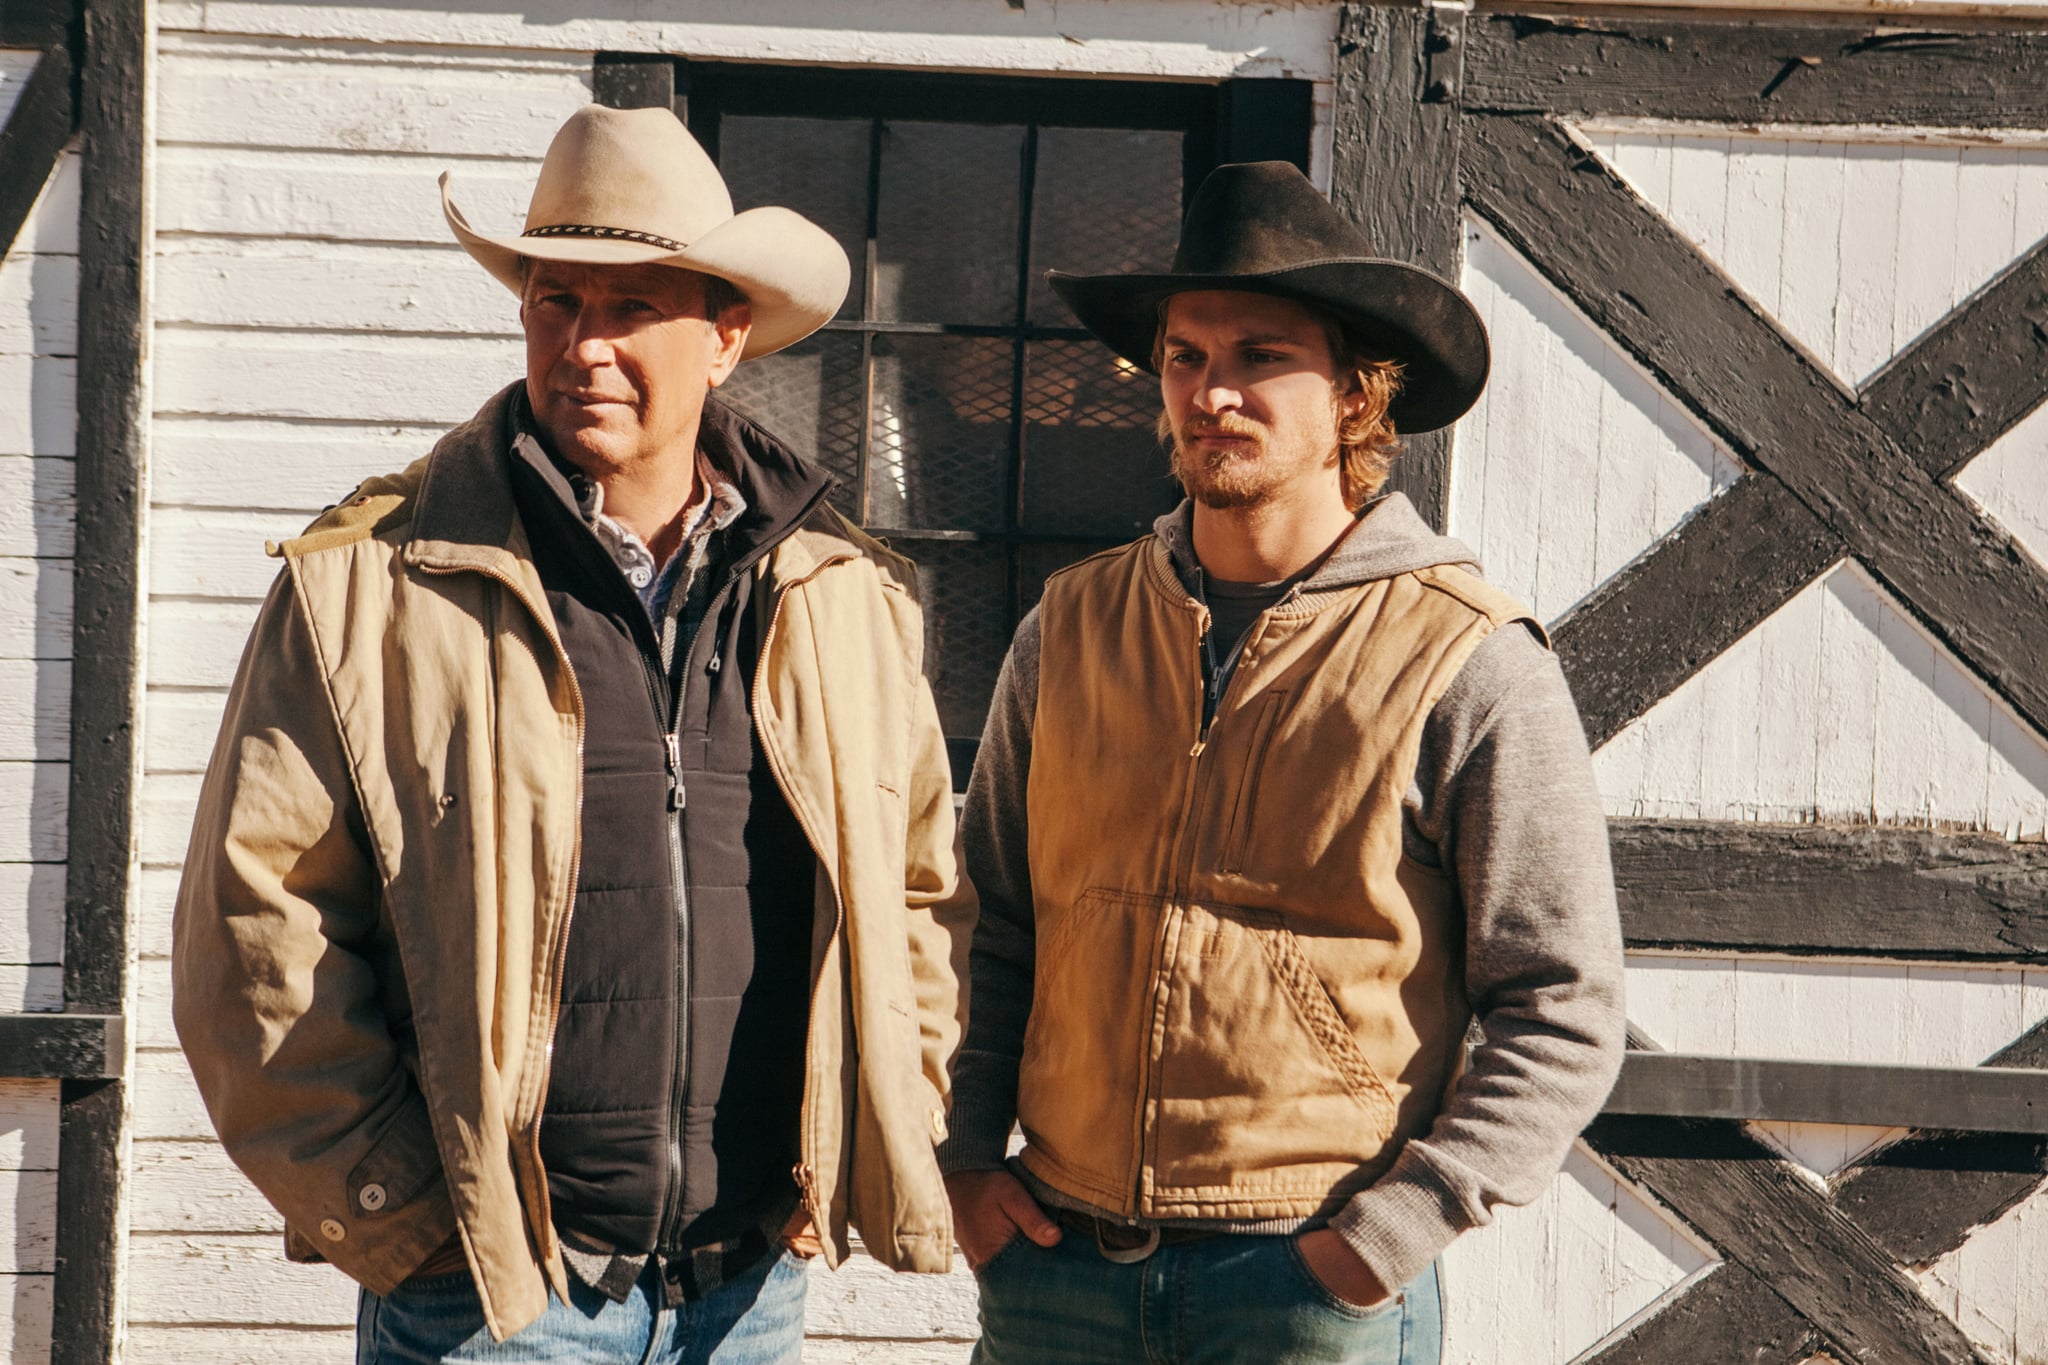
1390, 538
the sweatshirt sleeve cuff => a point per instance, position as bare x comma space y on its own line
978, 1128
1401, 1223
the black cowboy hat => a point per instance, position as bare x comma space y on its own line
1259, 226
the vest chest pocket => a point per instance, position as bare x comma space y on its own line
1244, 802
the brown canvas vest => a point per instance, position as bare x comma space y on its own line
1247, 998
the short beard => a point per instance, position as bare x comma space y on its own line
1227, 480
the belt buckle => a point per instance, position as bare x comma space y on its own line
1127, 1255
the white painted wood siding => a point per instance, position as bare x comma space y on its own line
1856, 247
38, 373
1840, 706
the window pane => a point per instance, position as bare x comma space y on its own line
939, 433
1104, 201
966, 592
809, 396
1092, 465
817, 166
946, 228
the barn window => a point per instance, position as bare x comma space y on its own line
967, 419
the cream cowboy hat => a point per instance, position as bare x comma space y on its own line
631, 186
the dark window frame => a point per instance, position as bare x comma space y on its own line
1234, 120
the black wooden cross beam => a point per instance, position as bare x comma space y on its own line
1831, 474
33, 138
1664, 302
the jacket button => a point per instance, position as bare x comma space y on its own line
371, 1197
332, 1230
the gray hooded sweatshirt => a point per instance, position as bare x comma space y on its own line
1503, 797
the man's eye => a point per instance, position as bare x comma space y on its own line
1181, 359
1264, 357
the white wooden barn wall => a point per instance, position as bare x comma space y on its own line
38, 367
1839, 706
313, 324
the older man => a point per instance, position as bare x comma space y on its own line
1270, 806
567, 937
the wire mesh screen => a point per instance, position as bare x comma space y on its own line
964, 412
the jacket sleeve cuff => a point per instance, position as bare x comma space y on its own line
979, 1126
1401, 1223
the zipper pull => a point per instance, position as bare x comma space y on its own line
806, 1185
673, 748
1201, 743
712, 667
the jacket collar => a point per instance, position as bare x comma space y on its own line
466, 518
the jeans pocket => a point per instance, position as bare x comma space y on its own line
1001, 1253
1320, 1293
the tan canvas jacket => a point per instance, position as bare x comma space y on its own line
1247, 997
369, 931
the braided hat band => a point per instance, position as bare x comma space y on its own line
613, 233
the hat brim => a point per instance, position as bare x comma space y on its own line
793, 273
1403, 313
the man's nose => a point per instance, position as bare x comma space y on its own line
1214, 395
590, 342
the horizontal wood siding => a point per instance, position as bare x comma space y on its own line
38, 406
314, 325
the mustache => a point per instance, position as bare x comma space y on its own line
1196, 427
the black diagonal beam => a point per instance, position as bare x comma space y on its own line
1764, 1217
1922, 1197
1730, 1315
1667, 305
35, 23
33, 140
1641, 634
1740, 71
1982, 369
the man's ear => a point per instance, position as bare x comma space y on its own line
732, 327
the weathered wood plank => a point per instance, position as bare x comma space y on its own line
336, 196
304, 466
863, 1299
35, 611
38, 508
1921, 1198
180, 729
1970, 1098
52, 227
1572, 464
343, 287
1728, 1315
1872, 891
1744, 72
28, 1126
167, 1103
39, 305
231, 1280
192, 1187
216, 553
1974, 377
60, 1046
198, 643
31, 912
31, 140
34, 798
1639, 636
36, 723
413, 381
1637, 278
1395, 173
40, 416
1765, 1218
235, 1345
506, 104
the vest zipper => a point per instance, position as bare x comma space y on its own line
541, 1217
670, 1230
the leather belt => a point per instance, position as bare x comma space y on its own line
1122, 1243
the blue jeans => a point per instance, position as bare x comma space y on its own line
1219, 1300
756, 1318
